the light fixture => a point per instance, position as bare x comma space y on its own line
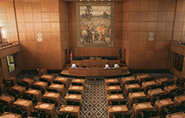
3, 32
87, 0
80, 0
94, 0
101, 0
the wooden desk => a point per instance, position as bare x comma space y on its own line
68, 109
169, 89
112, 72
117, 109
130, 87
115, 97
179, 100
126, 79
79, 71
49, 78
181, 79
76, 88
53, 96
64, 80
145, 106
162, 80
10, 115
163, 103
112, 88
152, 93
110, 81
135, 95
47, 107
25, 104
42, 72
79, 81
9, 100
147, 84
141, 77
73, 97
27, 81
176, 115
13, 79
35, 93
42, 85
19, 89
58, 87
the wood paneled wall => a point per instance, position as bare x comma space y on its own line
7, 20
179, 26
95, 51
141, 17
41, 16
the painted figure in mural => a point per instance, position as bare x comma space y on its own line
95, 24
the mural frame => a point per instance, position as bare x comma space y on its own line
112, 23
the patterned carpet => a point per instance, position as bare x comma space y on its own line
94, 99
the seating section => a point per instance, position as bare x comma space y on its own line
136, 94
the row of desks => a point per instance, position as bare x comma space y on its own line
49, 108
131, 96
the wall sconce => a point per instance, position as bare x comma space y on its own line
2, 33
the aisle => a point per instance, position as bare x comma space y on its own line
94, 100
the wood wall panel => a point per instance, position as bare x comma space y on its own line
154, 16
7, 20
41, 16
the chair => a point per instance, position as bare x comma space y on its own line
34, 114
118, 83
126, 115
134, 90
112, 84
74, 84
154, 113
147, 99
123, 102
19, 83
72, 116
170, 83
118, 115
78, 93
45, 100
54, 90
43, 79
77, 104
146, 114
113, 92
44, 115
53, 102
140, 100
71, 92
62, 116
6, 109
50, 90
69, 102
1, 107
23, 113
114, 102
141, 90
80, 84
119, 92
13, 109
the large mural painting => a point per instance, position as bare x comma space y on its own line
95, 24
